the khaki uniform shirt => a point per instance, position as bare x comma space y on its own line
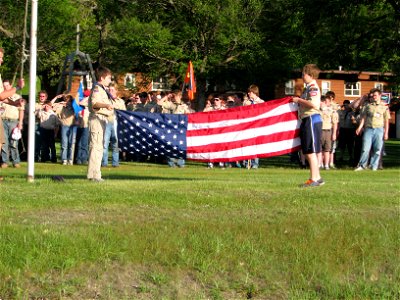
99, 95
250, 102
311, 93
182, 109
168, 107
329, 117
48, 119
11, 112
375, 115
118, 103
65, 114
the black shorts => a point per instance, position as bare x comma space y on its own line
310, 134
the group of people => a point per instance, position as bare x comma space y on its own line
88, 126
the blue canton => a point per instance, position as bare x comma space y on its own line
152, 134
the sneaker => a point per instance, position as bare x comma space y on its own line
310, 183
332, 166
4, 165
321, 181
17, 166
326, 167
359, 169
64, 162
70, 163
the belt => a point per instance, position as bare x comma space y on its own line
326, 129
10, 120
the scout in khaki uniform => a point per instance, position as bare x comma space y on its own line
12, 117
3, 98
311, 123
375, 124
100, 108
330, 121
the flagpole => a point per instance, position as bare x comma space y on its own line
32, 93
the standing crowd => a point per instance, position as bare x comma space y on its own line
357, 130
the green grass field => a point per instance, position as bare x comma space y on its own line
151, 232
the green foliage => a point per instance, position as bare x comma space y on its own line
240, 41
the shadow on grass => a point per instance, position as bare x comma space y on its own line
112, 177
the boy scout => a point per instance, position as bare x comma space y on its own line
375, 124
311, 123
330, 121
100, 108
3, 99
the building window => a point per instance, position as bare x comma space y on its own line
130, 81
352, 89
379, 85
160, 84
326, 87
289, 87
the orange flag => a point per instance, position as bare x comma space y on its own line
189, 84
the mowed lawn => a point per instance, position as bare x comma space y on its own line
151, 232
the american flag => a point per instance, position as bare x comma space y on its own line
245, 132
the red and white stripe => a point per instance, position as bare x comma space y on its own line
245, 132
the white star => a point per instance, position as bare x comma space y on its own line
169, 121
168, 131
144, 119
180, 142
137, 124
157, 121
150, 125
156, 131
174, 137
163, 137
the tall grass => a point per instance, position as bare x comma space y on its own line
151, 232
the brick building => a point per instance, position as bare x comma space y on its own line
346, 84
